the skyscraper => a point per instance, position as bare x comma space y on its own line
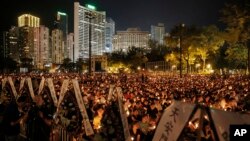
62, 24
129, 38
28, 20
158, 33
70, 42
109, 34
82, 35
57, 46
42, 54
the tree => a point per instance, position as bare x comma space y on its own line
79, 64
236, 15
209, 41
27, 63
135, 57
184, 39
157, 51
237, 56
67, 64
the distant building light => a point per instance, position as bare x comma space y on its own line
61, 13
91, 7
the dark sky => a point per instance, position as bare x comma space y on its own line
126, 13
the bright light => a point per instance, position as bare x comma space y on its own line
61, 13
208, 66
197, 65
91, 7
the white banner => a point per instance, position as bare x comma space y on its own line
41, 86
111, 92
63, 91
52, 90
22, 83
4, 80
173, 121
12, 87
223, 120
88, 128
123, 114
30, 88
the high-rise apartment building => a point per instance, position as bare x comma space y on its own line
28, 20
82, 24
42, 52
109, 34
11, 45
57, 46
158, 33
70, 42
129, 38
62, 24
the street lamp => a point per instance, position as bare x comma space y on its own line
89, 15
181, 32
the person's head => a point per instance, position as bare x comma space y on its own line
38, 100
21, 101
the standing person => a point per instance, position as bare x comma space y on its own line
39, 121
12, 118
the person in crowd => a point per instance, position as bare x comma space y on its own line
13, 115
39, 121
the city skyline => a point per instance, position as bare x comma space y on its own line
139, 13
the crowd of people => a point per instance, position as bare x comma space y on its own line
145, 97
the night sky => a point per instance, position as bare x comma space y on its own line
126, 13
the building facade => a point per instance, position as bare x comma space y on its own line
83, 24
70, 42
158, 33
28, 20
62, 24
109, 34
11, 46
42, 52
132, 37
57, 46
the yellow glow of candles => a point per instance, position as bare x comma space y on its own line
132, 138
196, 125
189, 123
206, 117
127, 113
99, 126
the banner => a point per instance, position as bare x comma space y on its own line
41, 86
63, 91
123, 114
223, 120
88, 128
22, 83
111, 92
4, 80
173, 121
52, 90
12, 87
31, 88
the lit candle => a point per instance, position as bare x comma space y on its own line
127, 113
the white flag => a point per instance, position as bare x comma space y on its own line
223, 120
86, 122
173, 121
41, 86
12, 87
22, 83
52, 90
123, 114
30, 88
